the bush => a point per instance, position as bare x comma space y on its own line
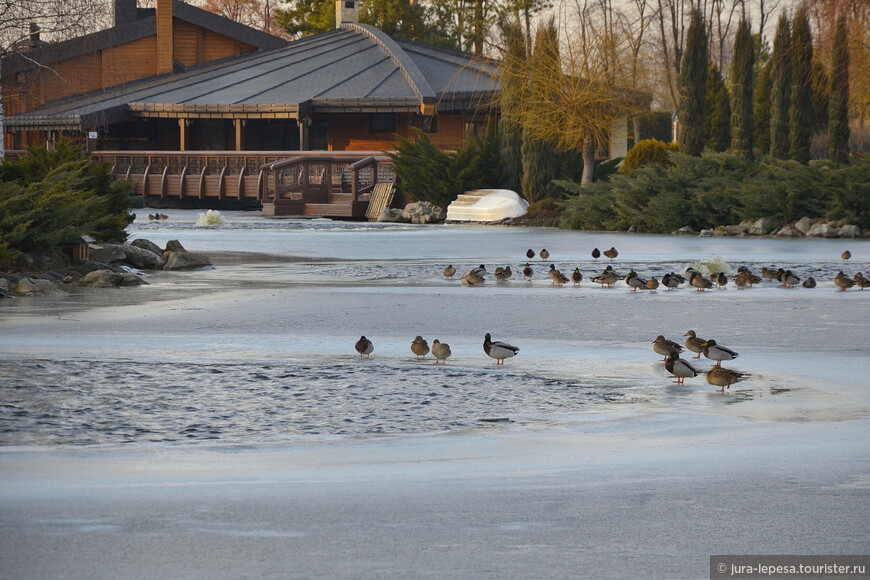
648, 152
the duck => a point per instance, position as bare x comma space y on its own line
530, 253
576, 276
420, 347
665, 347
846, 255
861, 281
768, 273
152, 217
480, 270
699, 282
680, 368
720, 279
596, 253
449, 271
680, 279
635, 281
527, 272
611, 253
652, 284
556, 276
669, 281
502, 274
163, 216
472, 279
722, 377
498, 350
741, 280
545, 255
364, 347
810, 282
694, 344
441, 351
718, 352
843, 281
608, 278
789, 280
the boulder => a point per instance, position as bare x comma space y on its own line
850, 231
6, 294
732, 230
174, 246
423, 212
106, 253
788, 231
35, 287
391, 215
101, 279
804, 224
760, 227
147, 245
5, 284
685, 231
143, 258
822, 230
185, 261
129, 279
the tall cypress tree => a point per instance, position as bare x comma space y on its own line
838, 109
801, 110
761, 109
717, 121
742, 72
780, 90
514, 89
693, 87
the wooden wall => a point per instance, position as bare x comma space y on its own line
350, 132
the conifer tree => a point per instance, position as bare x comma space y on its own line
761, 109
693, 87
780, 90
838, 110
801, 111
742, 72
718, 108
514, 88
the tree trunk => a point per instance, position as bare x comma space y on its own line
588, 158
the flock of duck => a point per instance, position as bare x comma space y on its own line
744, 278
157, 217
441, 351
682, 369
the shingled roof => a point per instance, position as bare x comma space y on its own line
356, 68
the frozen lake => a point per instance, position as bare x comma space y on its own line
240, 385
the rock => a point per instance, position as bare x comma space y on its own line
706, 233
760, 227
106, 253
128, 279
789, 231
185, 261
685, 231
850, 231
5, 284
174, 246
143, 258
6, 294
822, 230
804, 224
423, 212
391, 215
732, 230
101, 279
35, 287
147, 245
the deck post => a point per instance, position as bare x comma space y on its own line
239, 123
182, 134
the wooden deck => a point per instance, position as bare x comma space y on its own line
297, 183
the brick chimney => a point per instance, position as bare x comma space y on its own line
165, 55
346, 11
125, 11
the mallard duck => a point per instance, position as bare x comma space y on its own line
502, 274
498, 350
611, 253
699, 282
480, 270
596, 253
768, 273
364, 347
741, 280
861, 281
163, 216
694, 344
678, 278
530, 253
420, 347
441, 351
545, 255
680, 368
652, 284
449, 271
721, 377
669, 281
527, 272
576, 276
152, 217
718, 353
665, 347
634, 281
846, 255
810, 282
556, 276
472, 279
788, 279
608, 278
843, 281
720, 279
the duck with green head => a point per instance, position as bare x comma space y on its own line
680, 368
498, 350
718, 352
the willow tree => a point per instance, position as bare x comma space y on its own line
693, 87
838, 111
742, 73
780, 89
801, 110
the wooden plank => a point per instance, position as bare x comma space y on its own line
382, 196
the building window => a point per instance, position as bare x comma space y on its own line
382, 123
426, 123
